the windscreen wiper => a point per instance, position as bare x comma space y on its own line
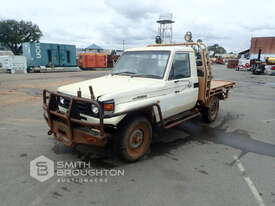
147, 76
124, 73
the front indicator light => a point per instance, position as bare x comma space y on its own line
108, 106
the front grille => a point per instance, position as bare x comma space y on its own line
79, 107
66, 103
84, 108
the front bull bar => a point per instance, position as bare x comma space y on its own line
68, 128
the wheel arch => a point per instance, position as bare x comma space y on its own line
147, 112
219, 96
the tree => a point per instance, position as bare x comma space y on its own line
1, 47
217, 49
13, 33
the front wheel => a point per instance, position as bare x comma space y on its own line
210, 113
134, 139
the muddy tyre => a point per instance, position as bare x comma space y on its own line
210, 113
134, 139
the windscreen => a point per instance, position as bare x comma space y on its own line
150, 64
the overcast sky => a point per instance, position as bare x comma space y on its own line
107, 23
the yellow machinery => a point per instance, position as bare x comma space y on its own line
270, 60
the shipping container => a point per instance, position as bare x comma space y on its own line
14, 64
92, 60
49, 55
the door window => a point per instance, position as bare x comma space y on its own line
180, 67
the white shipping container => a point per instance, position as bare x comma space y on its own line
6, 53
14, 63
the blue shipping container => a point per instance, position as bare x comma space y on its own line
45, 54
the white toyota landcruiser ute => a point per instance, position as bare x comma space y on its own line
160, 85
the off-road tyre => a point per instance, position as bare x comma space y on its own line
210, 113
134, 138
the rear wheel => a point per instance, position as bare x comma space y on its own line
134, 139
210, 113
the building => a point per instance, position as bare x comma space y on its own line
227, 55
94, 48
4, 51
265, 44
244, 54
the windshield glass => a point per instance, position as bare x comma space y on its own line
150, 64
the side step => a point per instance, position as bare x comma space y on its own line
178, 119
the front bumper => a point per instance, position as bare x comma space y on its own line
68, 127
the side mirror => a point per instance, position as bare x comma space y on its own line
199, 63
200, 73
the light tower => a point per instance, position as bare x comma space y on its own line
165, 30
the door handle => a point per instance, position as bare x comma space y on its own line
180, 80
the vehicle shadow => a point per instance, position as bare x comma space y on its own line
164, 141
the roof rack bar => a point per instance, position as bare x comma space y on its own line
179, 44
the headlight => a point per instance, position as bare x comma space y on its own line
62, 100
94, 109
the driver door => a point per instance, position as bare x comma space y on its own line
183, 94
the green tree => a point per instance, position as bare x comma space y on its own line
13, 33
217, 49
1, 47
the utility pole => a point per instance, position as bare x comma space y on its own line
123, 43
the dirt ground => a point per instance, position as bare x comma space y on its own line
229, 162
